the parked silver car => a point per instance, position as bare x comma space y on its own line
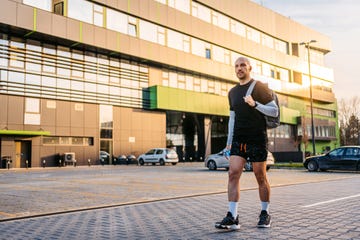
218, 160
159, 155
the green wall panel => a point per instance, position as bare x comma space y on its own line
188, 101
25, 133
288, 115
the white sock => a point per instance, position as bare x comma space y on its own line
265, 206
233, 206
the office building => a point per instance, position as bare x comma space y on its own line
123, 76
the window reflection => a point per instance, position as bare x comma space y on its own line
44, 4
81, 10
106, 116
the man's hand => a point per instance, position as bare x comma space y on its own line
249, 100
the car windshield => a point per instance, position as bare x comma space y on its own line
152, 151
336, 152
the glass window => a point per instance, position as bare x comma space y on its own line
59, 8
77, 85
117, 21
77, 70
32, 110
33, 79
31, 119
189, 83
49, 49
90, 87
267, 41
238, 28
221, 20
3, 75
16, 77
201, 12
32, 105
204, 85
64, 52
161, 35
208, 53
4, 53
197, 47
103, 89
48, 81
148, 31
173, 80
175, 40
81, 10
182, 5
44, 4
98, 15
17, 54
50, 140
63, 71
253, 35
77, 141
282, 46
63, 83
106, 116
89, 76
132, 29
218, 54
31, 66
65, 140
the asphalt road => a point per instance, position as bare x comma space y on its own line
172, 202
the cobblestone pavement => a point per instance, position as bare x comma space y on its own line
304, 205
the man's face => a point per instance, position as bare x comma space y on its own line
242, 69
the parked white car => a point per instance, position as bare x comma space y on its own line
218, 160
159, 155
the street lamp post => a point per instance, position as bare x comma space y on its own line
307, 45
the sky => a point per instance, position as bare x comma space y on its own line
340, 21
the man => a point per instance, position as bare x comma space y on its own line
247, 141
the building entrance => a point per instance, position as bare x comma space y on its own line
22, 154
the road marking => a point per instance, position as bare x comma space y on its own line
333, 200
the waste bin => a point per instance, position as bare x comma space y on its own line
4, 161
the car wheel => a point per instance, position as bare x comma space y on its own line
312, 166
141, 161
162, 162
248, 166
267, 168
212, 165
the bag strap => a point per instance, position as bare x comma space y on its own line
251, 88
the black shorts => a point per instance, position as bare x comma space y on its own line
251, 152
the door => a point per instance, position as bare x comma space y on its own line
350, 158
332, 159
22, 154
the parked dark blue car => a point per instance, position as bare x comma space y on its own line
342, 158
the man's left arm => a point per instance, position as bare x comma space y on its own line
269, 109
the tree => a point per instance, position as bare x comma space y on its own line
349, 121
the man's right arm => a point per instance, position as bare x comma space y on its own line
230, 129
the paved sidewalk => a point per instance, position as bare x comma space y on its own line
194, 217
143, 208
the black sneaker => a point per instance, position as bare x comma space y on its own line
228, 222
265, 220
